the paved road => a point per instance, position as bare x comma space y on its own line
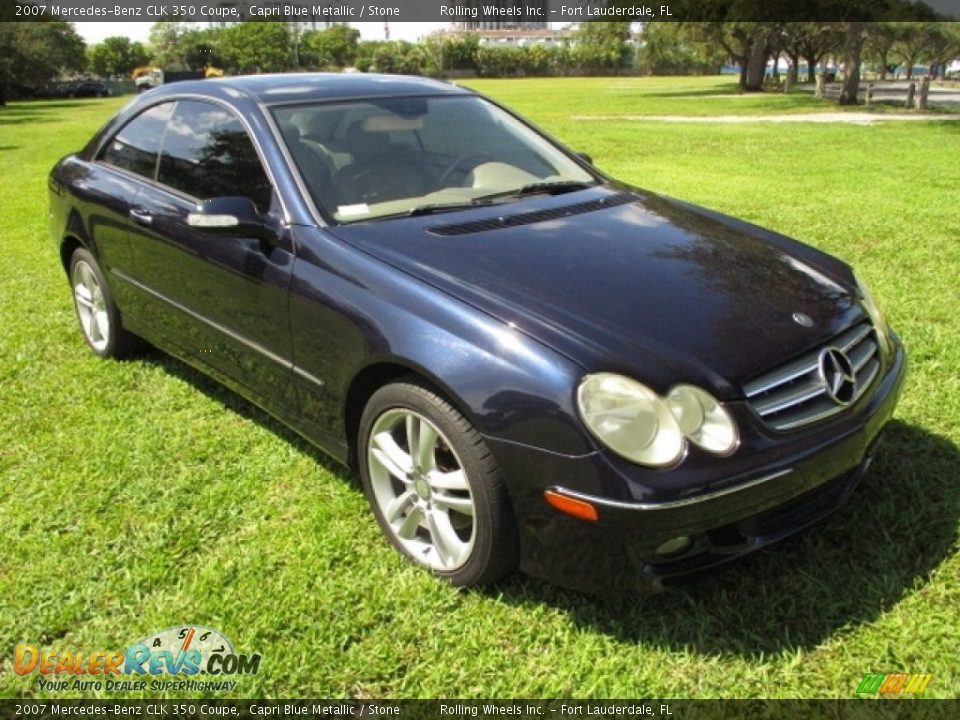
849, 117
946, 95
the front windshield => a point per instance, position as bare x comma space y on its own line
369, 159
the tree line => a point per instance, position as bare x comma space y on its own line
690, 48
276, 47
32, 54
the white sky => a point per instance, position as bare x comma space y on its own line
94, 32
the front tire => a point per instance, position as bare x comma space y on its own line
96, 311
434, 486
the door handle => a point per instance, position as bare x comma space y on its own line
141, 216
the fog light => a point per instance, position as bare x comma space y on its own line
675, 546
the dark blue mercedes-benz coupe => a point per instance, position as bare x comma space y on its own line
529, 363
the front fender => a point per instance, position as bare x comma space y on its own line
350, 311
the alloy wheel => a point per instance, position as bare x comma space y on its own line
421, 489
91, 306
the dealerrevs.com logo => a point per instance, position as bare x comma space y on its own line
894, 683
182, 652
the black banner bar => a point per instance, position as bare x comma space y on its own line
475, 11
463, 709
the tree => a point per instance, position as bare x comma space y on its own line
365, 53
908, 45
179, 46
504, 61
849, 93
747, 44
164, 44
398, 56
335, 47
117, 56
810, 42
444, 52
36, 52
878, 45
858, 13
943, 47
748, 30
258, 47
603, 45
200, 49
923, 41
673, 49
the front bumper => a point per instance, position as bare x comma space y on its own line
784, 489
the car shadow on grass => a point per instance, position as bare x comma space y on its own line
25, 118
885, 542
243, 407
32, 111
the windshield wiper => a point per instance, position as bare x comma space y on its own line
431, 208
548, 187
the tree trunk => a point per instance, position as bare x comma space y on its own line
3, 95
793, 76
743, 73
851, 80
811, 67
884, 64
756, 66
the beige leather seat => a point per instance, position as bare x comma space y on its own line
379, 170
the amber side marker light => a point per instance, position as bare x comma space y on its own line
571, 506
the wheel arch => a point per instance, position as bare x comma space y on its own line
74, 236
68, 246
378, 374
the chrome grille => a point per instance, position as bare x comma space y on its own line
796, 394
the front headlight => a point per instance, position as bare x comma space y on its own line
873, 311
630, 419
702, 419
636, 423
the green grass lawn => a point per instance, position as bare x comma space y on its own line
136, 496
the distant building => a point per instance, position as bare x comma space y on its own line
508, 23
514, 37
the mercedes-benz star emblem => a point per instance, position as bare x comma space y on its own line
803, 319
837, 375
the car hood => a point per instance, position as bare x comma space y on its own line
626, 281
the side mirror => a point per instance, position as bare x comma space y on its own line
584, 156
236, 216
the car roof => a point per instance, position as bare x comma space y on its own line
312, 87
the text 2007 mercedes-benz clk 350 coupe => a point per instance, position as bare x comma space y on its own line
529, 363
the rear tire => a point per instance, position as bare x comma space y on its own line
96, 311
434, 487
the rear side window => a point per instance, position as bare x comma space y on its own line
136, 146
207, 153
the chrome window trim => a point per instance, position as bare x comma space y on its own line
195, 97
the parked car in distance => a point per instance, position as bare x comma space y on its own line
78, 89
529, 363
91, 89
19, 91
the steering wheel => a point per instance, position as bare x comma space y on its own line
378, 184
464, 164
359, 184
